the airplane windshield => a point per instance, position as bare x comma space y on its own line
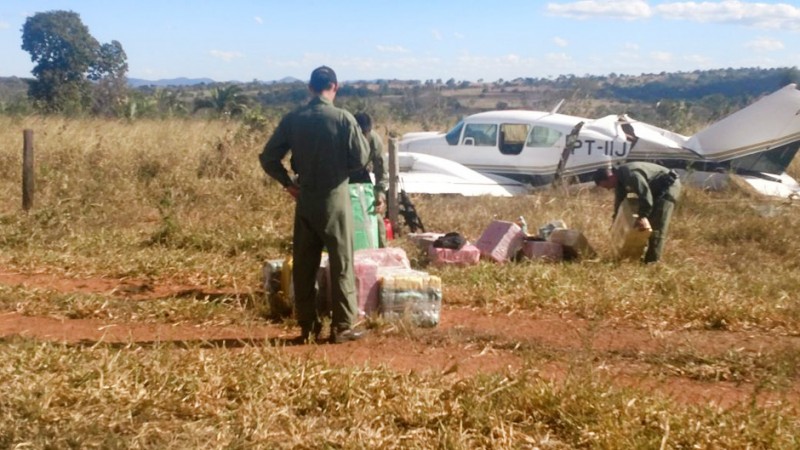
454, 133
481, 134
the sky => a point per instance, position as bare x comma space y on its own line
245, 40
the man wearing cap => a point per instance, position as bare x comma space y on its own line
378, 164
326, 145
657, 189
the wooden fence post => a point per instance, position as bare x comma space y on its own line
27, 170
394, 179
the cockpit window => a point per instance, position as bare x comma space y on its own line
543, 137
454, 133
480, 134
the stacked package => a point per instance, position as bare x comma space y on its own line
386, 284
368, 264
412, 295
501, 241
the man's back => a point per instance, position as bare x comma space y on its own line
648, 170
325, 145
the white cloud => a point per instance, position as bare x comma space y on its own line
698, 61
663, 57
391, 49
258, 20
764, 44
631, 46
4, 25
756, 14
558, 58
226, 56
398, 66
436, 34
783, 16
561, 42
616, 9
490, 66
458, 35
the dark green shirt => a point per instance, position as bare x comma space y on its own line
378, 164
326, 145
637, 178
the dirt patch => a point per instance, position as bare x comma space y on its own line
468, 341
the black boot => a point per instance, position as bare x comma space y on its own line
346, 335
310, 332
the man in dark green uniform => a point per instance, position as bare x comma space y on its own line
326, 145
657, 189
378, 164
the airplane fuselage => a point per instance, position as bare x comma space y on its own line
534, 147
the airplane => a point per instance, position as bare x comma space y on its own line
755, 144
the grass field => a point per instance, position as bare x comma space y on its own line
185, 203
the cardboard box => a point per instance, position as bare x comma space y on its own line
542, 250
573, 242
626, 241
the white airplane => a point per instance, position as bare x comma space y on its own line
755, 144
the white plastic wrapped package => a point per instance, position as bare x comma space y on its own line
412, 295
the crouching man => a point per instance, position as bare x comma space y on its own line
658, 190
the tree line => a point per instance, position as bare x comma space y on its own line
74, 74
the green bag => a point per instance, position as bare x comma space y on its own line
362, 198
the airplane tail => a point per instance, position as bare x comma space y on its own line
763, 137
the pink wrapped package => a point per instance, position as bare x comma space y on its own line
467, 255
366, 286
367, 263
384, 257
500, 241
543, 250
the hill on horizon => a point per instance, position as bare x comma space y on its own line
180, 81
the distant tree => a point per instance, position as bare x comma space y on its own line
169, 102
109, 72
62, 51
67, 59
225, 101
791, 75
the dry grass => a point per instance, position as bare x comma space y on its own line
186, 202
59, 397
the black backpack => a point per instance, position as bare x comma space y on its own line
450, 240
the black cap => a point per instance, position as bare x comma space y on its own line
322, 78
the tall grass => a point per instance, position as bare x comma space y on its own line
186, 202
